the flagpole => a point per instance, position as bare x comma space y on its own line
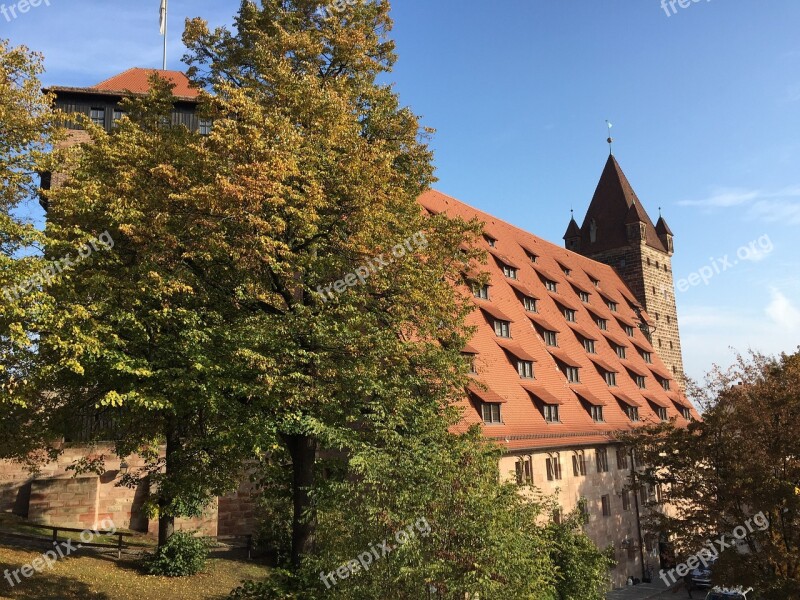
166, 13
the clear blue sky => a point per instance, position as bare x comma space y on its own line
705, 105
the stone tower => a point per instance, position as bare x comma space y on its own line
617, 231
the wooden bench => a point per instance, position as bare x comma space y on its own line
95, 532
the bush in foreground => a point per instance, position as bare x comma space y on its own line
184, 554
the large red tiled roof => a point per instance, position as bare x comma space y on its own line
523, 425
137, 81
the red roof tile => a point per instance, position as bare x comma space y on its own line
137, 81
523, 425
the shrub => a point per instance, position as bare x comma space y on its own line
184, 554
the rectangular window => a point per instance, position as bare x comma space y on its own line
641, 381
573, 374
532, 257
597, 413
584, 297
602, 324
557, 516
579, 465
509, 272
602, 460
567, 271
611, 378
525, 369
626, 500
628, 330
551, 413
490, 413
98, 116
662, 413
118, 114
612, 306
205, 126
525, 470
480, 291
643, 494
502, 328
647, 357
622, 459
687, 414
551, 286
621, 351
554, 468
588, 345
550, 338
569, 315
529, 303
595, 282
665, 384
606, 502
633, 413
472, 366
490, 240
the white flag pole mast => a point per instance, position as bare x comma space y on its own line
164, 15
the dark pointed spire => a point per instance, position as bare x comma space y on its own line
613, 207
662, 227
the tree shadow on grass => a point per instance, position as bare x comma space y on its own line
46, 586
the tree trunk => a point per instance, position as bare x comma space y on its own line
303, 450
166, 522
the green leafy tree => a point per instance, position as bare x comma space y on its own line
26, 131
720, 473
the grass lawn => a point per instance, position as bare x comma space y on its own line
101, 577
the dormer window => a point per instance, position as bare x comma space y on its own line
525, 369
602, 323
551, 286
567, 271
596, 412
662, 413
584, 297
632, 412
641, 381
687, 414
490, 240
480, 290
532, 257
665, 383
502, 328
529, 303
573, 374
628, 330
569, 315
490, 413
550, 412
647, 357
588, 345
611, 378
621, 351
612, 306
550, 337
509, 272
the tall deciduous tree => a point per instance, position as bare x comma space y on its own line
742, 459
26, 130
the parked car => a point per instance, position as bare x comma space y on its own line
728, 594
701, 577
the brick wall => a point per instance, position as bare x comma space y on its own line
55, 497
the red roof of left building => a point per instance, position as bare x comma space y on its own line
137, 81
